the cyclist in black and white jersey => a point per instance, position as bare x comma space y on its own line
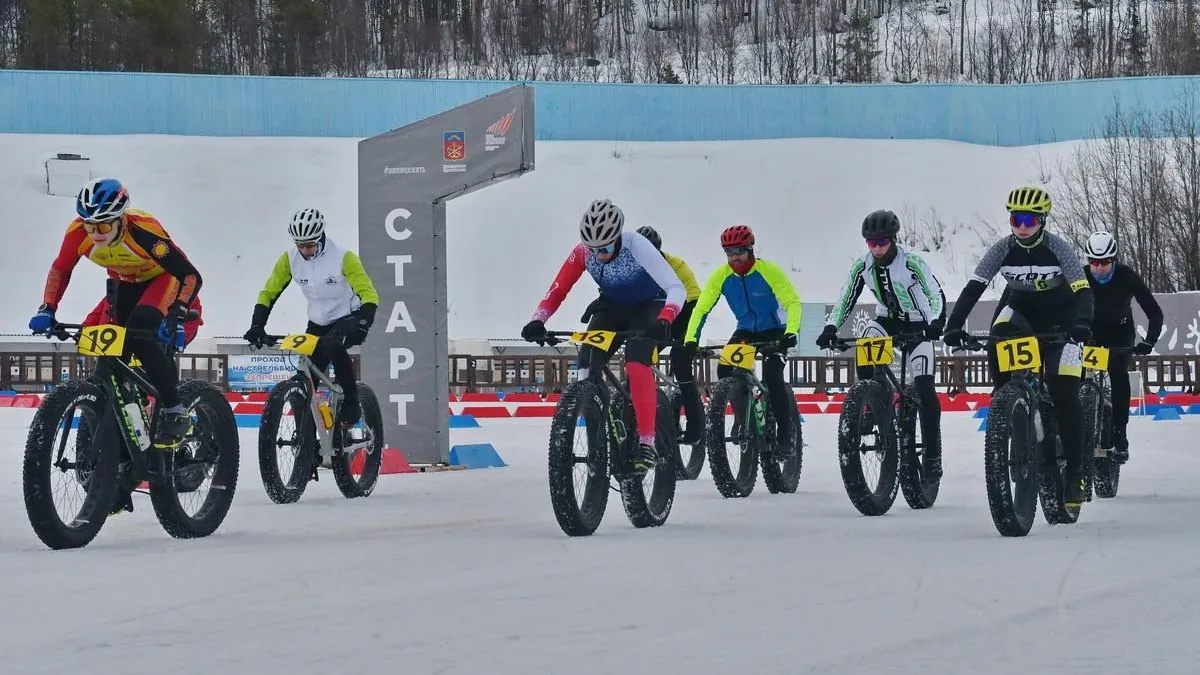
1047, 292
909, 298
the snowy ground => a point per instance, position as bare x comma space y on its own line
467, 572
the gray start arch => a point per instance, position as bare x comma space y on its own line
405, 178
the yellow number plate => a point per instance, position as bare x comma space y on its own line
738, 356
873, 351
301, 343
599, 339
1018, 354
104, 340
1095, 358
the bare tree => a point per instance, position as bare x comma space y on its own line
909, 44
1133, 42
1146, 192
720, 53
791, 29
685, 36
859, 47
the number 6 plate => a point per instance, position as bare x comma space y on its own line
738, 356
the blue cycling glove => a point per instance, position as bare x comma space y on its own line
43, 320
165, 335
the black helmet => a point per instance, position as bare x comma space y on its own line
881, 223
651, 234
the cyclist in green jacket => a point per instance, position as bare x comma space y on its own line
767, 308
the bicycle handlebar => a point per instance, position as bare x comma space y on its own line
762, 345
72, 331
62, 331
905, 341
553, 337
975, 343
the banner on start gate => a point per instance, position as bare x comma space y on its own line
259, 373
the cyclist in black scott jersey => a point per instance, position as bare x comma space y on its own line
1048, 292
909, 299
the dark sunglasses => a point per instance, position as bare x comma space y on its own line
737, 250
1101, 262
876, 242
1025, 220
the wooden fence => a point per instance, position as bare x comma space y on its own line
37, 371
806, 373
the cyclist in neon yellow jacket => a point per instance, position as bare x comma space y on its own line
683, 356
341, 305
767, 308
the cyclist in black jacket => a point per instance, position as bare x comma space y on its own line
1115, 286
1048, 293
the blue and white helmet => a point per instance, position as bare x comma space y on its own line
101, 200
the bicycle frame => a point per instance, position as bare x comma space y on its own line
751, 380
883, 373
1033, 381
124, 385
1103, 382
313, 378
612, 391
663, 375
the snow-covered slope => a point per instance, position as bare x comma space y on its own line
227, 202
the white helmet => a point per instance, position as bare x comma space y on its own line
601, 223
308, 225
1101, 245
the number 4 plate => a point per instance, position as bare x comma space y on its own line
1095, 358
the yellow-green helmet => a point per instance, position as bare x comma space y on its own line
1030, 200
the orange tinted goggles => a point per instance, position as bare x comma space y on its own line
99, 228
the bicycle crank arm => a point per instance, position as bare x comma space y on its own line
354, 447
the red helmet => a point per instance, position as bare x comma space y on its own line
737, 236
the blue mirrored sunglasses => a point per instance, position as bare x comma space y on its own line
607, 249
1024, 220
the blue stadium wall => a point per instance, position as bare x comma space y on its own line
46, 102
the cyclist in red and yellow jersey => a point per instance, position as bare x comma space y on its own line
152, 284
102, 313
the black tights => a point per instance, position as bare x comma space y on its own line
343, 372
160, 369
1118, 379
783, 403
